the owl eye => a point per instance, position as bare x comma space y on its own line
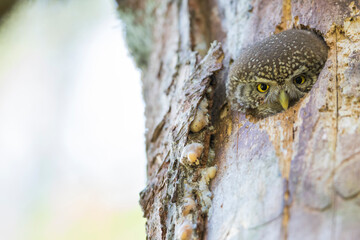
299, 79
262, 87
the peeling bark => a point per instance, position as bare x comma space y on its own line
295, 175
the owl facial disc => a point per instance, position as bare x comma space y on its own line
273, 74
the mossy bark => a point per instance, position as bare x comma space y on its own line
295, 175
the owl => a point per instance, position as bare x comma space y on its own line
273, 74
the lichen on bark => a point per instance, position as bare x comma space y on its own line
138, 18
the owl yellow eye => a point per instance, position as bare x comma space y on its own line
262, 87
299, 79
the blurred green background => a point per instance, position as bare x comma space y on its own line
72, 158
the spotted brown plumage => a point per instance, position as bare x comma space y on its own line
276, 62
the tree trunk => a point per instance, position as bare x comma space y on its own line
295, 175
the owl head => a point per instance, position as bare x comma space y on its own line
272, 75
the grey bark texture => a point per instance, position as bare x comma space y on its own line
295, 175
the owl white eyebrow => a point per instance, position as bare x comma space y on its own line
263, 80
298, 71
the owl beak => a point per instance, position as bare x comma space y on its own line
284, 99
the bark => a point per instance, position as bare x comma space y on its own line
295, 175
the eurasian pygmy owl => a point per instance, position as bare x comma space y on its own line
273, 74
